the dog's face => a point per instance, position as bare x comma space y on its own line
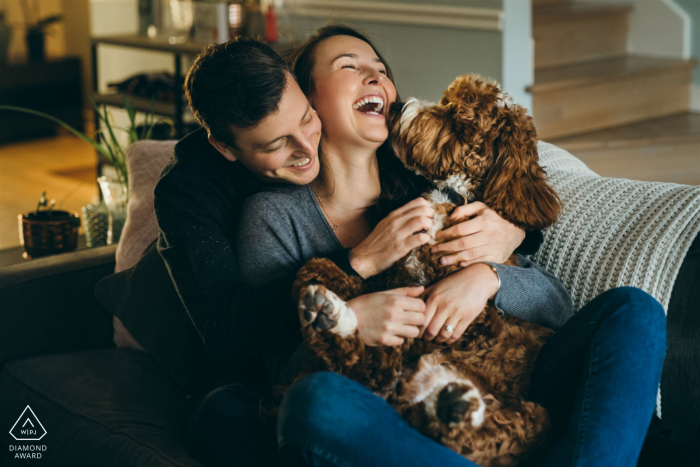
453, 137
477, 134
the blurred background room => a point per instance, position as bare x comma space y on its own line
614, 82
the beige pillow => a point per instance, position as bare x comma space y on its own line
144, 160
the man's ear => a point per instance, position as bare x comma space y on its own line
223, 148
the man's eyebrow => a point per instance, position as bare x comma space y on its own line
269, 143
306, 114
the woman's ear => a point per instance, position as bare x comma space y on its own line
516, 185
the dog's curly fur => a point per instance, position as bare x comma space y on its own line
471, 395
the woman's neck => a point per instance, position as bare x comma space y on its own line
349, 180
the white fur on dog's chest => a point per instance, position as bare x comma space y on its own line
460, 184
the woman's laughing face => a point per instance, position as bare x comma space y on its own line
351, 92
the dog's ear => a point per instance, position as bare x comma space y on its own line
516, 185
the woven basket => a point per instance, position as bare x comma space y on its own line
48, 232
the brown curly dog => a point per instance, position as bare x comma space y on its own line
470, 395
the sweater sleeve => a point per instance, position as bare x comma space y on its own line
268, 248
533, 294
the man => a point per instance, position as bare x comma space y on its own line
258, 128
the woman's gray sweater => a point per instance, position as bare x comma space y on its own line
283, 227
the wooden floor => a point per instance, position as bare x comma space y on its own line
64, 166
666, 150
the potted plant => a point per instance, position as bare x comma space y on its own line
115, 191
36, 29
46, 231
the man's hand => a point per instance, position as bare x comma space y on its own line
484, 237
393, 238
387, 318
457, 300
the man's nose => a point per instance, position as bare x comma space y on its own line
306, 146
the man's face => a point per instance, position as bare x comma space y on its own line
284, 146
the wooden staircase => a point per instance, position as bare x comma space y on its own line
586, 81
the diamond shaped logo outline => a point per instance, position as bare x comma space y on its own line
20, 418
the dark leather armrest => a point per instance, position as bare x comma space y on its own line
47, 305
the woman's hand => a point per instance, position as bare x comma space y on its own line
457, 300
387, 318
393, 238
484, 237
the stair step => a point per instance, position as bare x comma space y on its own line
574, 99
538, 3
682, 128
570, 33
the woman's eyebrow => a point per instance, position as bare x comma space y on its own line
375, 59
343, 55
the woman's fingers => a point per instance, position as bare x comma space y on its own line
438, 326
436, 323
464, 228
468, 210
467, 257
420, 210
410, 205
459, 330
407, 291
430, 310
408, 331
465, 249
412, 318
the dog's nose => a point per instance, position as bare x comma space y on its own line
397, 106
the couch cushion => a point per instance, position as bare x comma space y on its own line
144, 161
107, 407
145, 300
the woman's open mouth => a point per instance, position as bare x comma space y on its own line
370, 105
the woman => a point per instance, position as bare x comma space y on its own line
600, 390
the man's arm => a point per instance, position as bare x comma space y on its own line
198, 220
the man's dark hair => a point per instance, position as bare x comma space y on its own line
239, 83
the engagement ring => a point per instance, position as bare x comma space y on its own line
449, 327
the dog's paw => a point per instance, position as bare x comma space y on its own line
323, 310
460, 400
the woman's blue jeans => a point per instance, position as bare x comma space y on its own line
598, 376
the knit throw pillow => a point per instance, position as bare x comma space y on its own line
145, 160
615, 232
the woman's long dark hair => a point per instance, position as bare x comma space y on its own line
398, 184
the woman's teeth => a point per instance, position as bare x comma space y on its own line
370, 104
302, 162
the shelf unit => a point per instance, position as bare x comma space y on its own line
173, 110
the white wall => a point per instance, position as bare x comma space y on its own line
108, 17
429, 43
657, 27
518, 71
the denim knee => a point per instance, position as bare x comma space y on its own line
312, 405
643, 316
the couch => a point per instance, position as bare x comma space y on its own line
112, 382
